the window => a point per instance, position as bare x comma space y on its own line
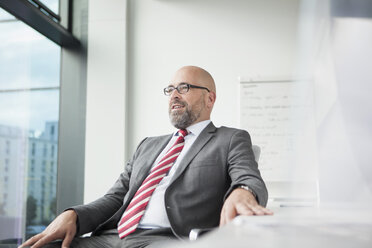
33, 149
29, 108
53, 5
29, 111
44, 150
7, 151
43, 168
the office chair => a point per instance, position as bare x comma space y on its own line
198, 232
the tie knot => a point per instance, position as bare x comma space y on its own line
182, 132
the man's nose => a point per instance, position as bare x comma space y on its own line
175, 94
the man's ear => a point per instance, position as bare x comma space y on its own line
211, 99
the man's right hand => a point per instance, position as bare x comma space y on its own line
63, 227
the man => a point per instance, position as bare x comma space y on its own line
199, 177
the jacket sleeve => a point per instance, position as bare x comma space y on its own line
95, 213
243, 168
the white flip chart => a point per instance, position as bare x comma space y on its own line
280, 121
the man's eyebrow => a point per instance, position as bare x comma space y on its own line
173, 85
178, 83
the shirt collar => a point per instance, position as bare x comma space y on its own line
196, 128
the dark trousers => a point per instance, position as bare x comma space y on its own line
149, 238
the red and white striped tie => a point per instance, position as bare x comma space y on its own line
136, 208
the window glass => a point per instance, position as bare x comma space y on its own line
29, 107
53, 5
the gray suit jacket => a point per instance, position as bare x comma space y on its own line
219, 160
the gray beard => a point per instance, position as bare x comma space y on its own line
184, 120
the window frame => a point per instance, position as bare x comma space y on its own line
46, 24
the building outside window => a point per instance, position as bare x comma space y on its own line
29, 117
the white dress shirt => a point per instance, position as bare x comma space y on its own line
155, 215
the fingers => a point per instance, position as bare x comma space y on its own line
43, 241
253, 210
63, 227
67, 241
32, 240
267, 211
243, 209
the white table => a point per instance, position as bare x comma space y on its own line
297, 227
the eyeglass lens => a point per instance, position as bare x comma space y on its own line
181, 88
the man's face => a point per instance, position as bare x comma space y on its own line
186, 109
189, 108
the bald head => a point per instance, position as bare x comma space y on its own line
195, 75
196, 104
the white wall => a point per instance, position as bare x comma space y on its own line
105, 118
227, 38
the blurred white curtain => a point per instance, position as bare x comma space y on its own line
338, 56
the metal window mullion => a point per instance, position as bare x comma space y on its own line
29, 89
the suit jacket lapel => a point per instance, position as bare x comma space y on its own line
199, 143
147, 164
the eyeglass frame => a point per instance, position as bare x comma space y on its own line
182, 84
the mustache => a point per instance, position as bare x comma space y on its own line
177, 102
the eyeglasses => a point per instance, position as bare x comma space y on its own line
182, 88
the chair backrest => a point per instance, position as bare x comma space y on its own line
257, 152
